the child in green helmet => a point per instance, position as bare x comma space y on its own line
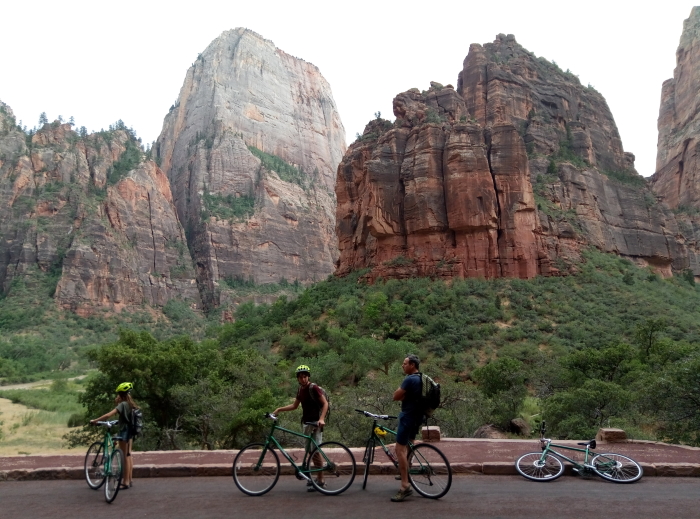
125, 406
314, 409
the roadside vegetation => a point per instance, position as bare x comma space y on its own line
33, 420
613, 345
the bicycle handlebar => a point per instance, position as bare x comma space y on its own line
108, 423
376, 416
271, 416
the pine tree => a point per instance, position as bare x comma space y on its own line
43, 119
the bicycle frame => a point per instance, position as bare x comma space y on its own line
304, 470
547, 449
374, 438
108, 445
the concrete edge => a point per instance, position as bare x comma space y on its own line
501, 468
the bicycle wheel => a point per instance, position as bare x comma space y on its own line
113, 476
94, 462
338, 468
429, 471
532, 466
369, 454
616, 468
256, 469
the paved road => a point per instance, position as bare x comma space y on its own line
470, 496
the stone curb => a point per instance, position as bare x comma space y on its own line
681, 470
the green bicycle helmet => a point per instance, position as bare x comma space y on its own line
125, 387
303, 369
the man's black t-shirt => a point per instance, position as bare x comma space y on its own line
311, 406
413, 386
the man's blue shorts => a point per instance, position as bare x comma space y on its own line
408, 428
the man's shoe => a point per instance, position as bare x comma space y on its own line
313, 488
401, 495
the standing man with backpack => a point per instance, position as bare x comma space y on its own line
410, 418
314, 405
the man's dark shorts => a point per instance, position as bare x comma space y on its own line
408, 428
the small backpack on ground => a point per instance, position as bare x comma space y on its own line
325, 395
136, 425
430, 396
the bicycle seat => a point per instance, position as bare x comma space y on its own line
313, 424
590, 444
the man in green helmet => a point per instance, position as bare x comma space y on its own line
314, 407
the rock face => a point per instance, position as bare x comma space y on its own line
677, 177
511, 174
441, 197
250, 149
501, 82
109, 240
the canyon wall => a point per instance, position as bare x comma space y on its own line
434, 194
250, 148
70, 211
677, 177
513, 174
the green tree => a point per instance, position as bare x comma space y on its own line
674, 398
503, 381
609, 364
647, 334
579, 412
154, 367
375, 309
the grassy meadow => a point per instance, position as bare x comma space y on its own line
34, 420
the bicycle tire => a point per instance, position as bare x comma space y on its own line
113, 477
94, 463
339, 474
252, 477
616, 468
367, 459
429, 472
531, 466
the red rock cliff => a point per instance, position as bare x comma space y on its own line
510, 175
113, 242
436, 194
677, 177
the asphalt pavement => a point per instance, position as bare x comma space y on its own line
469, 497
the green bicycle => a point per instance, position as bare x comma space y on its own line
256, 468
429, 471
546, 465
104, 464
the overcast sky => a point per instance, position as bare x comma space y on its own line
104, 61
